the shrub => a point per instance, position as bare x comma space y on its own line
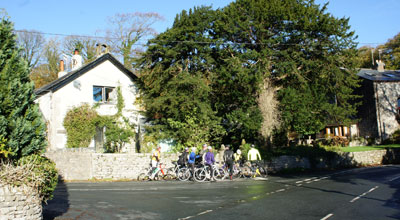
37, 172
80, 126
45, 169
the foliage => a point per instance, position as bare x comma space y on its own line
4, 150
334, 141
34, 171
47, 71
391, 53
117, 134
31, 43
244, 148
217, 61
43, 169
127, 29
79, 123
86, 46
20, 120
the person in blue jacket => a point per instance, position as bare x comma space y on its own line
192, 160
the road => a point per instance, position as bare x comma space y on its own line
362, 193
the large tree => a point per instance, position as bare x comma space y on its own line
127, 29
293, 50
391, 53
176, 76
21, 124
47, 70
31, 43
308, 54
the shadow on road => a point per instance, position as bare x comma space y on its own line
59, 204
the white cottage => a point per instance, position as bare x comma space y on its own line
92, 83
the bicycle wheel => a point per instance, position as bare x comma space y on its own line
247, 171
168, 177
236, 172
200, 174
184, 174
143, 177
219, 174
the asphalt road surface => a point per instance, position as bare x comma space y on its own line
363, 193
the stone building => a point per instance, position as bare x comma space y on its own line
379, 111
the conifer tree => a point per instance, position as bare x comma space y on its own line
21, 123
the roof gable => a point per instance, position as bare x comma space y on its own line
69, 77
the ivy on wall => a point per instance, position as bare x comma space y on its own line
81, 123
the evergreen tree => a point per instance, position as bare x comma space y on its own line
20, 121
176, 73
307, 53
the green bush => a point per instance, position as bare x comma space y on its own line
43, 172
80, 126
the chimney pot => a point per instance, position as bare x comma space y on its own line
61, 65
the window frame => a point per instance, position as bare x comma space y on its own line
104, 94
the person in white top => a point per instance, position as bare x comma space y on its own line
253, 154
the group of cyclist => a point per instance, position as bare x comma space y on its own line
225, 156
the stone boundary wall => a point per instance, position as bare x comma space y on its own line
86, 165
18, 203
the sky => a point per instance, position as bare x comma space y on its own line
374, 21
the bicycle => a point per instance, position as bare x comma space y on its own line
203, 173
160, 174
254, 169
178, 172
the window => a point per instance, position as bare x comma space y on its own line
103, 94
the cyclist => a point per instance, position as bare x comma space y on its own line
209, 161
253, 154
228, 158
192, 159
155, 160
237, 156
203, 154
183, 158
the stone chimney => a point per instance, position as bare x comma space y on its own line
381, 66
62, 71
76, 60
101, 49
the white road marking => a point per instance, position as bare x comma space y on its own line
299, 184
299, 181
205, 212
327, 216
395, 178
358, 197
280, 190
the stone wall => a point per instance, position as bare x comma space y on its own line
85, 165
124, 166
19, 203
364, 158
387, 95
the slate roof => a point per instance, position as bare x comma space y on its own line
69, 77
374, 75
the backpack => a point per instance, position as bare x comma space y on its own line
228, 155
182, 159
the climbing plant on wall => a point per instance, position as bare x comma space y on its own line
81, 123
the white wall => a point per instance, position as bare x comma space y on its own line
54, 106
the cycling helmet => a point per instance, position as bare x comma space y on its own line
238, 151
209, 147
